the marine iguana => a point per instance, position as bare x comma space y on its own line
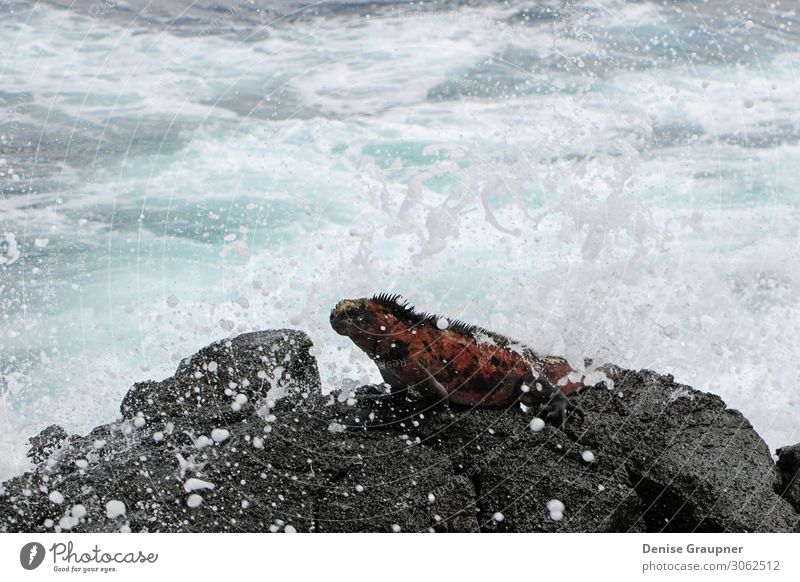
451, 361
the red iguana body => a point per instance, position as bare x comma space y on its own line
466, 364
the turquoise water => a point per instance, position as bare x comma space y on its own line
604, 179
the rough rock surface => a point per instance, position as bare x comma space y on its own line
789, 469
210, 450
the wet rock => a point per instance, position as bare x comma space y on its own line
223, 381
242, 438
695, 464
46, 443
516, 472
789, 470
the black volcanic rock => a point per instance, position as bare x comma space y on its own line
695, 464
46, 443
789, 469
242, 438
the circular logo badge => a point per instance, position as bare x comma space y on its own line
31, 555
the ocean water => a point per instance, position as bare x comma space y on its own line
605, 179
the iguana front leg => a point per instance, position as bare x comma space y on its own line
553, 406
558, 409
432, 391
377, 407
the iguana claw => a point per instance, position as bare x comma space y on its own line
559, 409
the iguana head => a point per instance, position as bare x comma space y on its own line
370, 321
351, 316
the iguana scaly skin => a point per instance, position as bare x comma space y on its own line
450, 361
